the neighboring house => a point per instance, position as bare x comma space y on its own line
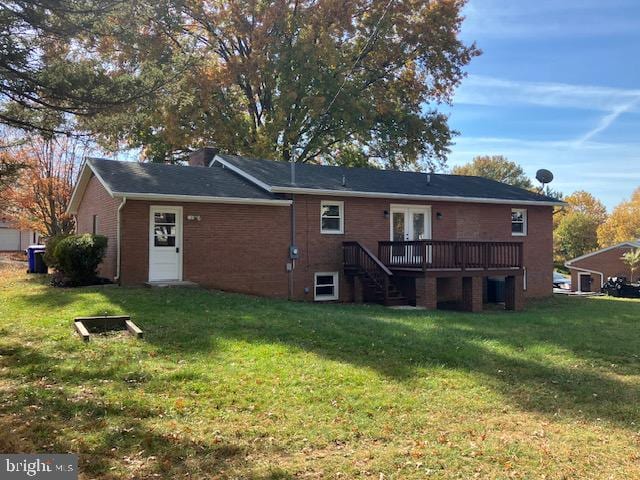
310, 232
589, 272
14, 239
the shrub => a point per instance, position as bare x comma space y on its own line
49, 253
78, 257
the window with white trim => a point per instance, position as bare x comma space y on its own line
331, 217
518, 221
325, 286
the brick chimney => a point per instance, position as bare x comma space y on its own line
202, 157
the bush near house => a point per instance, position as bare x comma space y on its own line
49, 253
76, 257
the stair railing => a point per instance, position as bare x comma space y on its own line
358, 256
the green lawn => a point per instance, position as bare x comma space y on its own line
229, 386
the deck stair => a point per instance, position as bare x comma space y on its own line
377, 279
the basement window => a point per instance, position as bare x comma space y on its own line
518, 222
331, 217
325, 286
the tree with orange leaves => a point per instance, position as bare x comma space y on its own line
39, 198
623, 224
575, 226
341, 82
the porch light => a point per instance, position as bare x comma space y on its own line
386, 214
439, 215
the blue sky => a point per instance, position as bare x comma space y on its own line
557, 87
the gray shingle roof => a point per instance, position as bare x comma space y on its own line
278, 174
163, 179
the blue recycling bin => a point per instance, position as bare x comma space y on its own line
35, 255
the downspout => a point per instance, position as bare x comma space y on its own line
293, 242
122, 204
292, 257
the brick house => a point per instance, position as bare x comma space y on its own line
318, 233
589, 272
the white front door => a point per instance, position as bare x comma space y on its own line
409, 223
165, 243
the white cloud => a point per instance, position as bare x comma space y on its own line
632, 174
490, 91
607, 120
548, 18
485, 90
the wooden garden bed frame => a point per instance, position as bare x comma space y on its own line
85, 325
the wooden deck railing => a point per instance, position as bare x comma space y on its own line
451, 255
358, 256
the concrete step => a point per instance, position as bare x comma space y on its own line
171, 284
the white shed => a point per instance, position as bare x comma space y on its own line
13, 239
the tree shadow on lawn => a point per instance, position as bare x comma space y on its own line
400, 345
35, 416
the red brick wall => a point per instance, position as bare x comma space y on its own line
244, 248
96, 201
238, 248
609, 263
365, 222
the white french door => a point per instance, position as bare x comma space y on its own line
409, 223
165, 243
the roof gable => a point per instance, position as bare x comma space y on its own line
630, 243
169, 182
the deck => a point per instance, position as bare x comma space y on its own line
409, 272
451, 256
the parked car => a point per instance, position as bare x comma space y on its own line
619, 287
560, 281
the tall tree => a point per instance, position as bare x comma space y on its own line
54, 64
584, 202
575, 235
576, 226
39, 198
496, 167
623, 224
9, 169
355, 81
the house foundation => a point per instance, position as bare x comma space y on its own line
427, 292
472, 294
513, 294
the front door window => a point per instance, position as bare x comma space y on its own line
164, 230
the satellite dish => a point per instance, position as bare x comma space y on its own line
544, 176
